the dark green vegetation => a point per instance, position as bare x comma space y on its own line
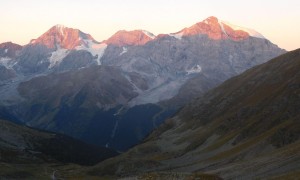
246, 128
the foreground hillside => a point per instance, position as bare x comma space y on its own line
246, 128
28, 153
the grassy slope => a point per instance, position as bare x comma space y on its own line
240, 124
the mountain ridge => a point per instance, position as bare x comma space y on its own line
213, 27
40, 88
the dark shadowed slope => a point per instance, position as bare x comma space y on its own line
88, 104
248, 127
23, 145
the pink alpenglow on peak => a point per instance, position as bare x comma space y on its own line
61, 40
217, 29
130, 38
60, 36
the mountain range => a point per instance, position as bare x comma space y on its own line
114, 93
211, 101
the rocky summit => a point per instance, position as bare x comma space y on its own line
130, 38
60, 36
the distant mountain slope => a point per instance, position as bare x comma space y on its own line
246, 128
89, 104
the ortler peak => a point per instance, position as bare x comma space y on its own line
218, 29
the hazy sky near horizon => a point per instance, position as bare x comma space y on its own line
23, 20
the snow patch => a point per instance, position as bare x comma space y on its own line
5, 62
6, 50
149, 34
163, 91
119, 111
177, 35
60, 28
57, 56
195, 69
222, 27
124, 51
251, 32
96, 49
113, 133
136, 89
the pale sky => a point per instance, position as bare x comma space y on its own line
23, 20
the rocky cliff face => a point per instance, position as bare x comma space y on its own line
6, 74
9, 49
33, 59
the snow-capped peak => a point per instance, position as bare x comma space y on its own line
217, 29
60, 28
251, 32
61, 39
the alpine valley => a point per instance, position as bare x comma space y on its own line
163, 93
